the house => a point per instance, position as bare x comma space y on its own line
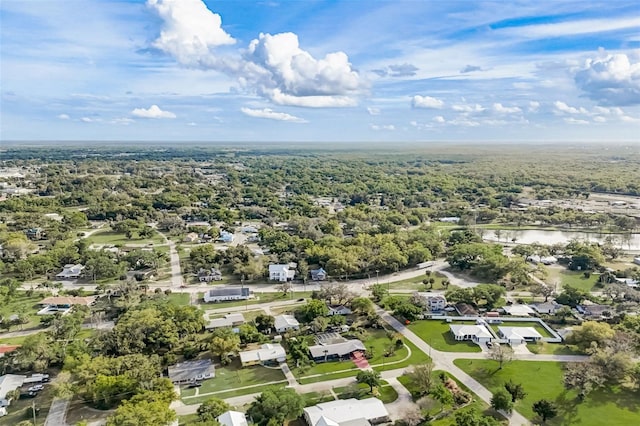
281, 272
5, 349
54, 304
630, 282
518, 310
545, 260
208, 275
34, 233
250, 229
227, 293
339, 350
636, 260
434, 302
9, 382
229, 320
191, 237
191, 371
595, 311
70, 272
519, 335
225, 237
477, 333
232, 418
338, 310
450, 219
546, 307
465, 309
269, 353
285, 323
347, 412
318, 274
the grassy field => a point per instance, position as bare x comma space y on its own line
573, 278
436, 334
386, 393
23, 304
107, 236
615, 405
233, 376
415, 283
553, 349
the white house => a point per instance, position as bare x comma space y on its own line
232, 418
477, 333
351, 411
285, 323
281, 272
268, 353
229, 320
435, 302
519, 335
227, 293
546, 307
339, 310
191, 237
518, 310
191, 371
70, 272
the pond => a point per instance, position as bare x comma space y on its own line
527, 236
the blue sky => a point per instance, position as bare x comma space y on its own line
248, 70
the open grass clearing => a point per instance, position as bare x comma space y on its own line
108, 236
22, 304
553, 349
415, 283
437, 334
614, 405
385, 392
573, 278
233, 376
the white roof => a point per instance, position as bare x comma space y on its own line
516, 333
345, 410
232, 418
518, 310
9, 382
279, 268
340, 349
470, 330
227, 321
285, 321
267, 352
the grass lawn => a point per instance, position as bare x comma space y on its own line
19, 410
107, 236
233, 376
540, 329
260, 298
329, 376
179, 298
573, 279
386, 393
415, 283
436, 334
553, 349
417, 357
23, 304
612, 406
187, 420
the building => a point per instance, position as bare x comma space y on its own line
35, 233
318, 274
347, 412
518, 310
333, 351
269, 353
208, 275
434, 302
191, 237
225, 237
339, 310
8, 383
545, 260
477, 333
227, 293
281, 272
465, 309
232, 418
55, 304
191, 371
519, 335
70, 272
229, 320
630, 282
636, 260
595, 311
5, 349
284, 323
546, 307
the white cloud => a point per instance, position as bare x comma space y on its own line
373, 111
534, 106
123, 121
611, 79
153, 111
272, 115
387, 127
599, 119
500, 109
88, 120
426, 102
572, 28
63, 116
190, 30
439, 119
468, 108
562, 107
628, 119
571, 120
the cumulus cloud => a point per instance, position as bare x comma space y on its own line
63, 116
271, 115
426, 102
373, 111
500, 109
89, 120
534, 106
190, 30
470, 68
387, 127
562, 107
153, 111
611, 79
397, 70
468, 108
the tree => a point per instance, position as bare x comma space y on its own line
590, 332
275, 405
545, 409
407, 310
285, 287
501, 353
303, 270
501, 400
584, 377
543, 290
224, 346
422, 377
571, 296
515, 390
142, 413
472, 417
264, 322
313, 309
379, 291
362, 306
369, 377
210, 409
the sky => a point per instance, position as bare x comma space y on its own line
334, 71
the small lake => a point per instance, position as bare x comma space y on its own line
629, 242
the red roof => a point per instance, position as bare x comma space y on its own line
5, 349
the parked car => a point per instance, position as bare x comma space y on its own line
36, 388
28, 395
195, 385
301, 300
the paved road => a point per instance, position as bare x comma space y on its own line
176, 271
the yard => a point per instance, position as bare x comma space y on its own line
614, 405
415, 283
436, 333
573, 278
231, 378
385, 392
22, 304
107, 236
